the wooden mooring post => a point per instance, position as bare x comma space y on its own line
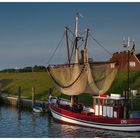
19, 97
20, 101
33, 95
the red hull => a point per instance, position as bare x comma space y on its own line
67, 116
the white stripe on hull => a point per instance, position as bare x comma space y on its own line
72, 121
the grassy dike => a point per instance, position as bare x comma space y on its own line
26, 80
41, 81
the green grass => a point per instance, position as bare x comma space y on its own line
121, 82
41, 81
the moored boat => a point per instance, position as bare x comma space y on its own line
88, 117
40, 107
83, 76
37, 107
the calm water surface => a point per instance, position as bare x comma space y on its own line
24, 124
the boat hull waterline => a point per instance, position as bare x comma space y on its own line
118, 124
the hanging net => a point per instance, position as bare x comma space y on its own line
70, 80
100, 77
86, 78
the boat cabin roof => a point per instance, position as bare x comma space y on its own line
108, 98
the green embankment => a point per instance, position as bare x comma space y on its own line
121, 82
41, 81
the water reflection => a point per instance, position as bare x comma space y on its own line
0, 113
25, 124
71, 131
33, 118
19, 114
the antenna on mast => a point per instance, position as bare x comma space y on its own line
129, 42
124, 43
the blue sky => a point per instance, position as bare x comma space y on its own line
29, 32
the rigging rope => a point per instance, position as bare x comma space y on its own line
71, 32
56, 49
100, 45
72, 46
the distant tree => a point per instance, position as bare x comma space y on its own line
27, 69
39, 68
8, 70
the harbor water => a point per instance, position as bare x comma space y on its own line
25, 124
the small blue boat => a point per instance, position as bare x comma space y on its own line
37, 107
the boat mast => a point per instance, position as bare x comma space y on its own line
128, 67
86, 38
76, 26
66, 29
74, 98
85, 48
127, 45
127, 93
76, 40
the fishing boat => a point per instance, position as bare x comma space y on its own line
108, 111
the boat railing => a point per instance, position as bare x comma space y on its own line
88, 109
61, 101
